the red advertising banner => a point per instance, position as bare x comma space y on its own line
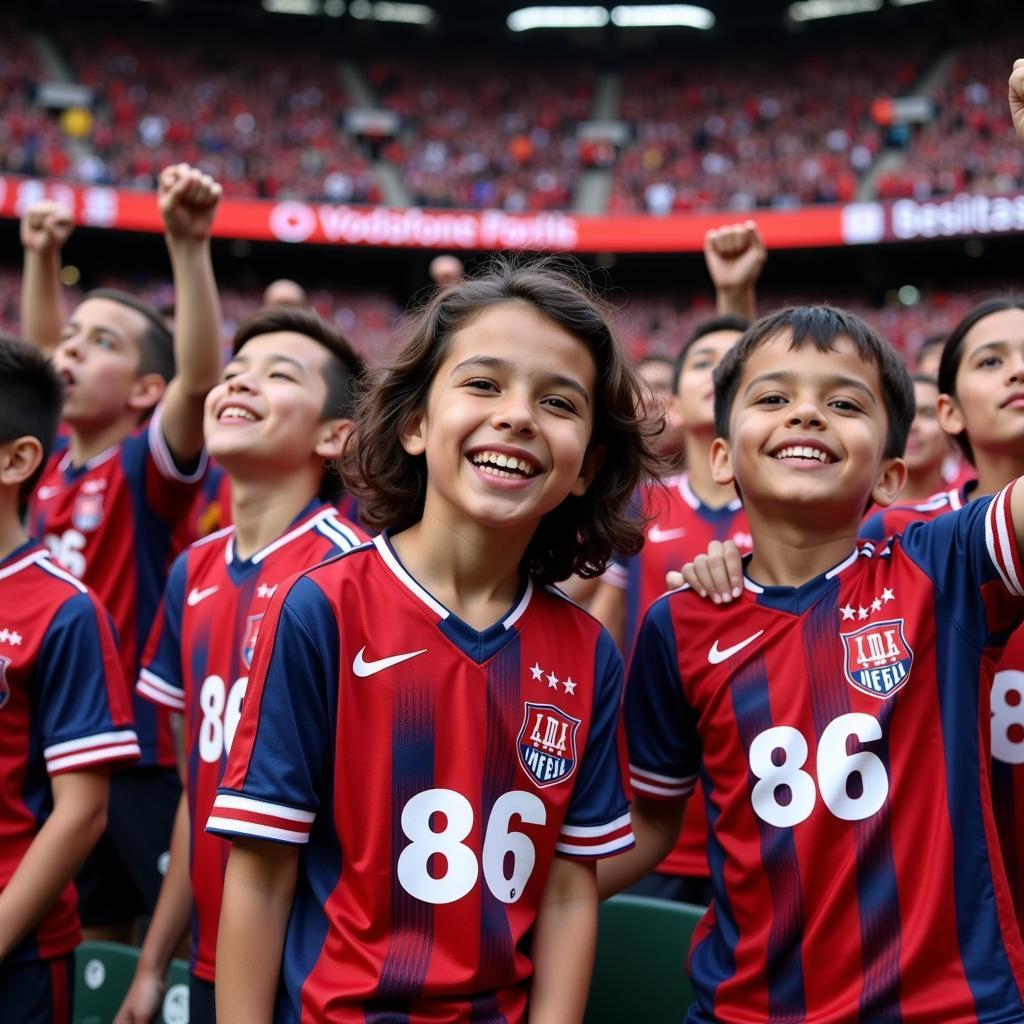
329, 224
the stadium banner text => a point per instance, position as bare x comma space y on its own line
295, 221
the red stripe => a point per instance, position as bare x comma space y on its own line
256, 818
97, 762
600, 840
59, 984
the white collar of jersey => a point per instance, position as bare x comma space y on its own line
309, 524
22, 563
96, 460
867, 549
402, 574
693, 501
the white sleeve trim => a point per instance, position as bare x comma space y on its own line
160, 691
114, 753
238, 826
162, 454
100, 739
230, 801
586, 831
623, 842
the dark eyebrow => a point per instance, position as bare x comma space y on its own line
504, 366
102, 327
1001, 346
276, 357
833, 381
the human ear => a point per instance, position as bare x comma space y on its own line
891, 478
950, 415
330, 438
19, 459
146, 392
414, 434
721, 462
592, 462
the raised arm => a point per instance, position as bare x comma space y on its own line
735, 256
188, 202
45, 228
1017, 114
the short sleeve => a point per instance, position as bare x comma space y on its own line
972, 560
160, 676
597, 822
271, 787
661, 727
85, 714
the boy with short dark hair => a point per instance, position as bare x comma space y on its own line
818, 707
64, 716
278, 416
114, 494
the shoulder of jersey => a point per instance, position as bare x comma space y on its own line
62, 580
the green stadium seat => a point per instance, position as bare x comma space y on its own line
640, 967
103, 973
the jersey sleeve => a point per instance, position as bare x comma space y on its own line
597, 822
661, 727
160, 674
86, 717
271, 787
873, 528
168, 492
972, 559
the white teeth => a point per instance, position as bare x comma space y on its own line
496, 461
235, 413
802, 452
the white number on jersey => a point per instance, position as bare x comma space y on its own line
221, 710
459, 861
783, 772
69, 550
1008, 717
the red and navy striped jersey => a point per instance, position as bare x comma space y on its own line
841, 731
197, 663
887, 522
434, 772
116, 523
63, 708
680, 527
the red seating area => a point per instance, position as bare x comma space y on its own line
967, 147
486, 132
265, 121
763, 129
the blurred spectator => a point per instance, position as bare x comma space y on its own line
445, 270
283, 292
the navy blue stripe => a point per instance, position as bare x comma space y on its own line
413, 741
982, 952
877, 890
787, 1000
504, 709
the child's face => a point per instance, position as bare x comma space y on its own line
695, 394
266, 413
808, 429
989, 401
98, 362
927, 443
513, 386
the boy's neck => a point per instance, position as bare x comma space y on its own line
262, 510
922, 485
12, 536
698, 472
789, 553
996, 469
472, 570
86, 443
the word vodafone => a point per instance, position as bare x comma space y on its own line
300, 222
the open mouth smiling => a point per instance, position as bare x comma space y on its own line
509, 467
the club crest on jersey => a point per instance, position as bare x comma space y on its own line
878, 658
252, 632
547, 744
5, 687
87, 512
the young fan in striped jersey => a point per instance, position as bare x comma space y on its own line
426, 765
282, 409
65, 716
819, 707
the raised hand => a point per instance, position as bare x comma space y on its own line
1017, 97
188, 201
735, 255
46, 226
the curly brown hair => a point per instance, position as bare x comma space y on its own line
580, 535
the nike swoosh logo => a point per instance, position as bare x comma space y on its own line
716, 656
656, 535
45, 493
364, 668
195, 596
